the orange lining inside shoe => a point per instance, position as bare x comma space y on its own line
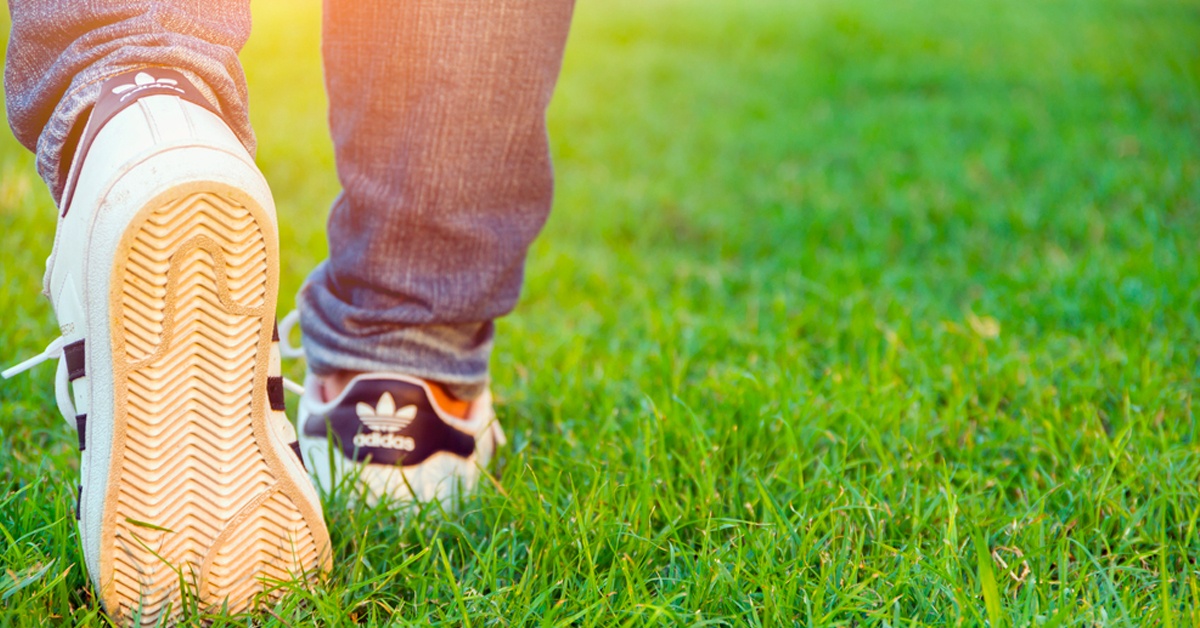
450, 404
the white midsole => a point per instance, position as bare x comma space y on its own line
443, 477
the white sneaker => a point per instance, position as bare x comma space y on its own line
164, 278
389, 437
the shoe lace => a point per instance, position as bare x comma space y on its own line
53, 351
62, 389
286, 350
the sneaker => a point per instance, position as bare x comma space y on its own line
391, 438
164, 278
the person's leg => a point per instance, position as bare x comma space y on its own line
61, 51
437, 109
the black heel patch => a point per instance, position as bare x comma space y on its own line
389, 421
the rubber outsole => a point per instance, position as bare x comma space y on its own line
200, 510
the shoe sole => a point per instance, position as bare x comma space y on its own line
200, 511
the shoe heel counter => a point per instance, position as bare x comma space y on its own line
387, 420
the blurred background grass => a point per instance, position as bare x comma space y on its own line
830, 289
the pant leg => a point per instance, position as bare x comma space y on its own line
61, 51
437, 110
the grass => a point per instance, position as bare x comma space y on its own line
850, 313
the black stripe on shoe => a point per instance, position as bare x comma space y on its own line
73, 353
295, 445
275, 393
81, 428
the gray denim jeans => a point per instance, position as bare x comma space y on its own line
437, 111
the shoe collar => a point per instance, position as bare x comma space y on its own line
479, 415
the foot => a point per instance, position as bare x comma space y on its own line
396, 437
164, 280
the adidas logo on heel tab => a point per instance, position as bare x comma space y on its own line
385, 419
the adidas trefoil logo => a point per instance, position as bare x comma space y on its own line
143, 81
385, 419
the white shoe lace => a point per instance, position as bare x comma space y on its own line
285, 334
286, 350
62, 389
54, 350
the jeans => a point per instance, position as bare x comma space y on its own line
437, 112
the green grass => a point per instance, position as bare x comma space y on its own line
853, 313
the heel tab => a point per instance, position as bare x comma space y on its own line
118, 93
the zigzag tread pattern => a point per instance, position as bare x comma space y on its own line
195, 500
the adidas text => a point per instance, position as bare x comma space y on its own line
387, 441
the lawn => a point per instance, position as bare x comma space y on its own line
854, 313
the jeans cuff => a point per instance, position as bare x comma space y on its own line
337, 337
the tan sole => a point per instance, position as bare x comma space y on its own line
197, 492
